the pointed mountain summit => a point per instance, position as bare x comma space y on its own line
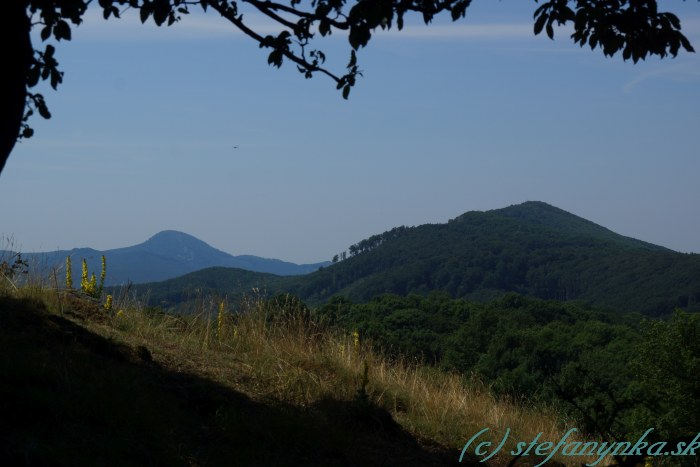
179, 246
165, 255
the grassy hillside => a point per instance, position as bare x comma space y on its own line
533, 249
80, 385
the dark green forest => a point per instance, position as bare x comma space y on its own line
533, 249
616, 374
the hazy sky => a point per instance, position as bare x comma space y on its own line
448, 118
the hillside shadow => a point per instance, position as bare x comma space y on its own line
69, 397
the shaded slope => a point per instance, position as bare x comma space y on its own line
71, 397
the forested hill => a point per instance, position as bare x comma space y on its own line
532, 248
539, 213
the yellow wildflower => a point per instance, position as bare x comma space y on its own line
108, 303
69, 273
103, 274
84, 283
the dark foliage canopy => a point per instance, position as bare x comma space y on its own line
635, 28
615, 374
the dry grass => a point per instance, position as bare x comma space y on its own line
272, 355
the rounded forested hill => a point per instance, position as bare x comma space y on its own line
532, 248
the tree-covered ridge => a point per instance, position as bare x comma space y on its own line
231, 282
537, 212
533, 249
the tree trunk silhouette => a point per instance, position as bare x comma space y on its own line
16, 59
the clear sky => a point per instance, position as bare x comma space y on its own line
452, 117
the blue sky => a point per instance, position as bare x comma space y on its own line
452, 117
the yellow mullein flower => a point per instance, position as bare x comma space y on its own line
108, 303
89, 286
84, 277
103, 274
69, 273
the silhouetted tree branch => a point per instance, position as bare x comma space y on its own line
633, 27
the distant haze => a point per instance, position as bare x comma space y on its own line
447, 118
166, 255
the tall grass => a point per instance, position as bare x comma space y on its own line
274, 353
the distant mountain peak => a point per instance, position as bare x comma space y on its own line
533, 249
173, 235
167, 254
182, 247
